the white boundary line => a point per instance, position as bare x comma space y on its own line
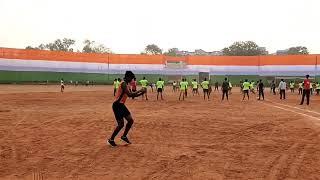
296, 108
286, 109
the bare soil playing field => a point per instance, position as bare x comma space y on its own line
45, 134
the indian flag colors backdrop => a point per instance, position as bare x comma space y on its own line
18, 65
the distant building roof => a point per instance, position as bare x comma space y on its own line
199, 52
282, 52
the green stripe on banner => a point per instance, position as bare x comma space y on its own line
54, 77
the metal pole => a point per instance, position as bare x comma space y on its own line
259, 66
316, 69
108, 66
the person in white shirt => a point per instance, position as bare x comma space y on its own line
174, 85
282, 89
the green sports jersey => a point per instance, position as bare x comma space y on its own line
246, 86
194, 84
183, 85
318, 86
252, 85
144, 83
291, 85
205, 84
117, 84
160, 84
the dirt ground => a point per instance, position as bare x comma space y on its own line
45, 134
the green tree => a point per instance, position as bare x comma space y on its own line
58, 45
153, 49
61, 45
298, 50
30, 47
42, 47
93, 47
172, 52
243, 48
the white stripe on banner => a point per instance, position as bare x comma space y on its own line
85, 67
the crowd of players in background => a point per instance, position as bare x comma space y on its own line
305, 88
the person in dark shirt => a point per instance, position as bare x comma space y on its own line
225, 89
273, 87
261, 89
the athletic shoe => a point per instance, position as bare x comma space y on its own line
124, 138
112, 143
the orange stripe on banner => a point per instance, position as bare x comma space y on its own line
173, 58
224, 60
24, 54
53, 56
135, 59
80, 57
288, 60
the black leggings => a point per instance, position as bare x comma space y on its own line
225, 92
261, 93
245, 92
120, 112
282, 94
306, 92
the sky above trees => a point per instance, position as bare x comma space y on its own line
127, 26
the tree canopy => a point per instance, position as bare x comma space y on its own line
153, 49
298, 50
243, 48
